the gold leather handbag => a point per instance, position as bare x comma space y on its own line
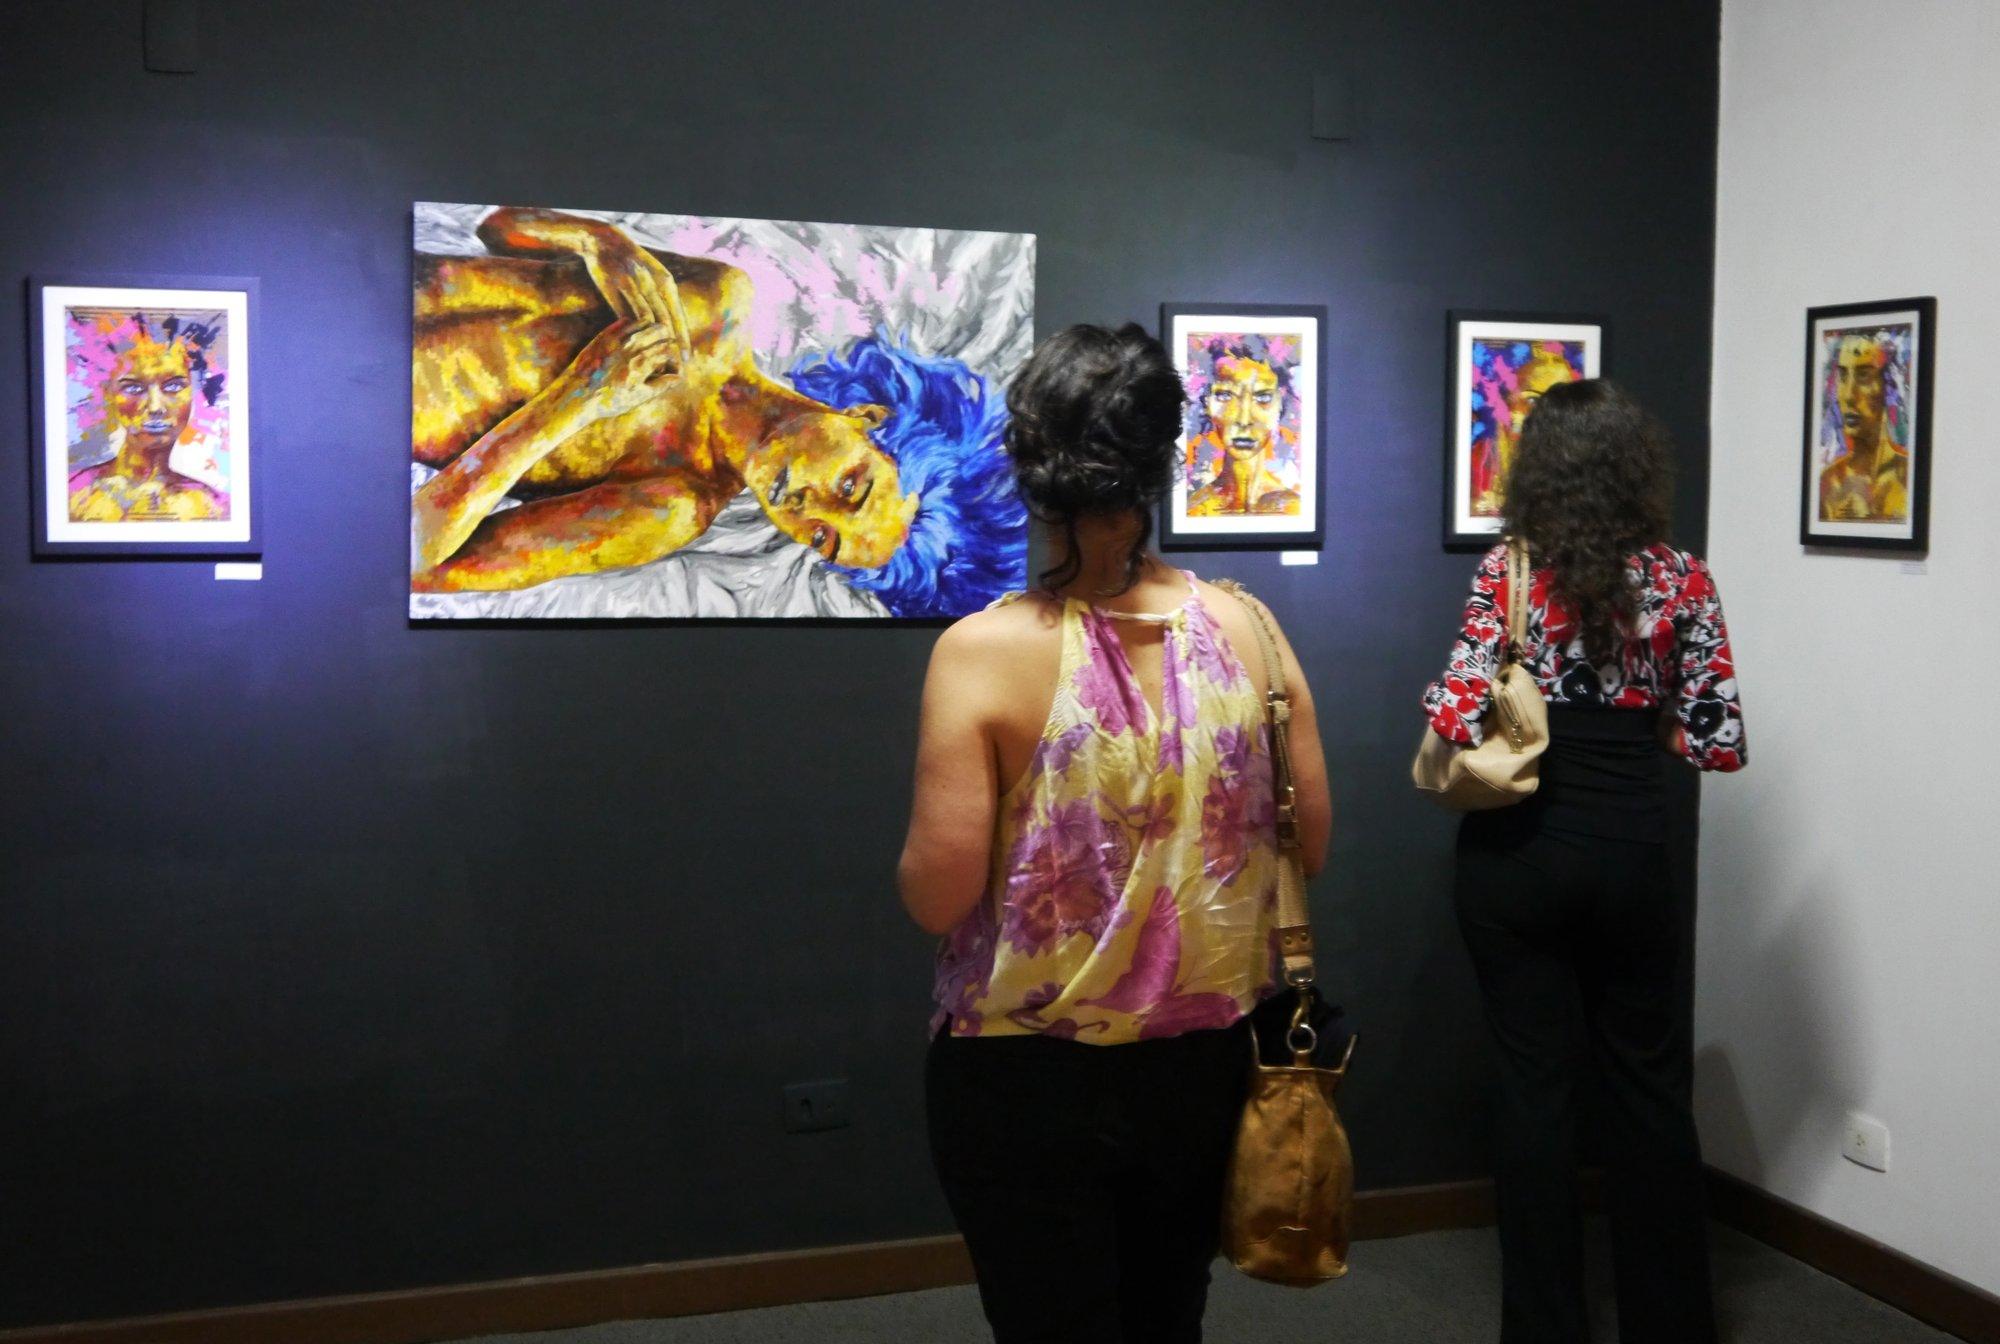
1506, 765
1288, 1200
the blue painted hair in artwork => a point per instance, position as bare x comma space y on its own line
968, 543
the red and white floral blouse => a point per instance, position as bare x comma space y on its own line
1679, 649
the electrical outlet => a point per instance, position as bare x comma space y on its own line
1866, 1142
816, 1106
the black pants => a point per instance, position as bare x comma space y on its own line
1583, 947
1087, 1179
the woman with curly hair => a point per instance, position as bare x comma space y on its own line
1582, 941
1093, 837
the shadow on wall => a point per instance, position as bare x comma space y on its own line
1787, 1057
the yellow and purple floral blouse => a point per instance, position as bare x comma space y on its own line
1135, 864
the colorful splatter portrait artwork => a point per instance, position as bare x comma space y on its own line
144, 436
1500, 370
1242, 433
1866, 432
670, 416
1508, 378
1249, 450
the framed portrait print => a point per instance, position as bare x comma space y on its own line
1499, 364
1252, 454
141, 414
1866, 477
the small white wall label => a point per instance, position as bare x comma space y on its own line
240, 571
1299, 557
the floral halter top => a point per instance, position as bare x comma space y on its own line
1133, 891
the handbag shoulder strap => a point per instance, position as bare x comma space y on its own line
1519, 576
1295, 939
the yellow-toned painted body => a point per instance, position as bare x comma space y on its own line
613, 390
491, 332
173, 498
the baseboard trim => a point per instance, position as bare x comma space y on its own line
682, 1288
1410, 1209
782, 1278
545, 1302
1932, 1296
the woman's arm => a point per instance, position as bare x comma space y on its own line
631, 279
1314, 795
613, 374
943, 872
611, 526
1456, 702
1707, 705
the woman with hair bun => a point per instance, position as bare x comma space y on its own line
1093, 840
1582, 940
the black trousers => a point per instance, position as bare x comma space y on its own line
1087, 1179
1583, 948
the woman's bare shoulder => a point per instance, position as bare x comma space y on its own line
1011, 628
1228, 605
1239, 625
997, 665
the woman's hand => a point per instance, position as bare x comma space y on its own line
631, 279
635, 284
625, 366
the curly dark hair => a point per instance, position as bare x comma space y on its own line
1094, 415
1591, 483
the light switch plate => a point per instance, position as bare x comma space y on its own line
816, 1106
1866, 1142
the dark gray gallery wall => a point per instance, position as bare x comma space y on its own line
337, 955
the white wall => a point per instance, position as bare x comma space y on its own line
1850, 879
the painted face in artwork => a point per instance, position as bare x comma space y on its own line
151, 393
826, 484
1858, 383
1543, 369
1243, 405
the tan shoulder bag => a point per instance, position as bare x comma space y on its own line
1506, 765
1288, 1201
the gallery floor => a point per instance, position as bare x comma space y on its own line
1439, 1288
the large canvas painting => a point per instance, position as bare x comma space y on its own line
1501, 363
1866, 480
1252, 462
143, 427
670, 416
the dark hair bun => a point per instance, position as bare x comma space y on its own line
1093, 419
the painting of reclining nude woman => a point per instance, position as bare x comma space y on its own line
667, 416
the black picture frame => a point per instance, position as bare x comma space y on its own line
1912, 535
1258, 532
45, 439
1461, 532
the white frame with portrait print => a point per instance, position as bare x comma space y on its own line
1464, 529
56, 534
1305, 530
